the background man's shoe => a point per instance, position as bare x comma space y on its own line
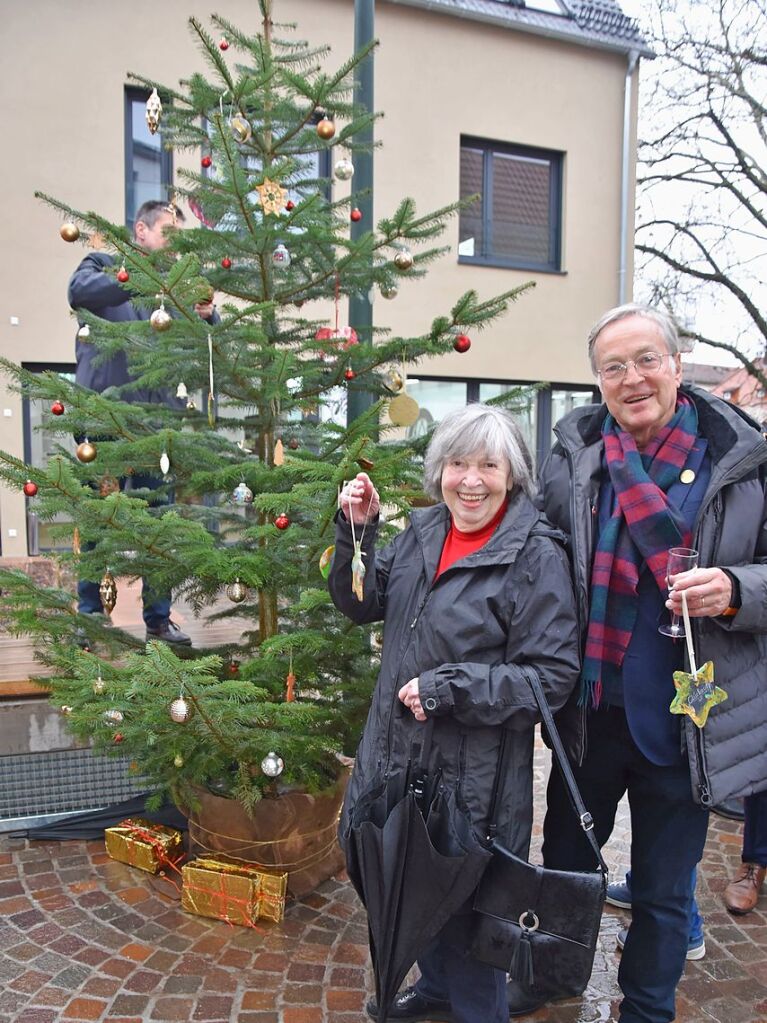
742, 894
409, 1005
619, 894
168, 632
696, 945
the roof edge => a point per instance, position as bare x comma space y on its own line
616, 46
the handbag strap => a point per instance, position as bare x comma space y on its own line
576, 800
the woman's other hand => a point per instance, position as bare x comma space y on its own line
708, 592
359, 499
408, 694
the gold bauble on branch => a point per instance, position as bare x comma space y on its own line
86, 452
240, 128
161, 319
326, 129
403, 260
237, 591
69, 232
108, 592
403, 410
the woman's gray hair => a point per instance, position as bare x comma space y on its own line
478, 429
647, 312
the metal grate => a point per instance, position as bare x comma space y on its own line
63, 781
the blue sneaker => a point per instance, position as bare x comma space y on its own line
696, 945
619, 894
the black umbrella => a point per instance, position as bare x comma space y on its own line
414, 862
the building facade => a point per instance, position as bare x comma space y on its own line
532, 104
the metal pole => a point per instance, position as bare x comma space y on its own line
360, 306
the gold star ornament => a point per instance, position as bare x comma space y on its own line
696, 693
273, 196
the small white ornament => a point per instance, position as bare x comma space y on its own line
181, 710
242, 494
84, 332
343, 169
164, 463
281, 256
113, 717
181, 391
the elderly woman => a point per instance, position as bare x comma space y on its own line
474, 588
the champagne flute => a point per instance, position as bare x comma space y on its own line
680, 559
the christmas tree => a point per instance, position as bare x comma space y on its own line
251, 473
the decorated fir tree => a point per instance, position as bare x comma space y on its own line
251, 472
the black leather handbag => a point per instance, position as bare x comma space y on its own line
539, 925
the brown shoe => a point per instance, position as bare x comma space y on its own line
742, 894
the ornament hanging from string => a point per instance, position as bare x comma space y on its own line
153, 112
211, 391
273, 197
108, 592
358, 565
290, 682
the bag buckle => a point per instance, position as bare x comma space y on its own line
587, 821
529, 921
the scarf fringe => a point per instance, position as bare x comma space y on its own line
591, 693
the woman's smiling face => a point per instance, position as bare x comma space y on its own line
474, 488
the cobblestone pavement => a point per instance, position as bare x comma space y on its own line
85, 938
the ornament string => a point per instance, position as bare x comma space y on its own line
337, 297
211, 399
688, 633
358, 565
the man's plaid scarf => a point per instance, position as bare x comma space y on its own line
642, 527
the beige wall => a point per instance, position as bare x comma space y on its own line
64, 65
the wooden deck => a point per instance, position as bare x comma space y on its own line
17, 660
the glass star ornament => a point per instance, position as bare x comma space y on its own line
273, 196
696, 693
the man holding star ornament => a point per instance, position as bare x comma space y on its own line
662, 492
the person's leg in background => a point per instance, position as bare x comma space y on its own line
742, 894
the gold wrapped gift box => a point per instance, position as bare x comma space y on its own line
233, 890
145, 845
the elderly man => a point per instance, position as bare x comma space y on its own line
657, 466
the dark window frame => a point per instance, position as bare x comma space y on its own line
555, 159
133, 94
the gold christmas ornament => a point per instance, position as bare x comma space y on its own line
240, 128
161, 319
394, 381
99, 686
237, 591
75, 540
273, 196
403, 410
108, 592
389, 291
403, 260
326, 129
153, 112
181, 711
178, 760
86, 452
69, 232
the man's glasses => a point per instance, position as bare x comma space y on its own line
645, 366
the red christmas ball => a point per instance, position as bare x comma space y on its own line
30, 488
118, 737
206, 161
226, 263
282, 521
462, 343
224, 44
57, 408
123, 275
356, 215
350, 374
234, 667
290, 205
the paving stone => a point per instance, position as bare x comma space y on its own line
72, 978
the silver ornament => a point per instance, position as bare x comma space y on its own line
389, 291
343, 169
242, 494
113, 717
241, 130
181, 710
403, 260
237, 591
160, 320
272, 765
84, 332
